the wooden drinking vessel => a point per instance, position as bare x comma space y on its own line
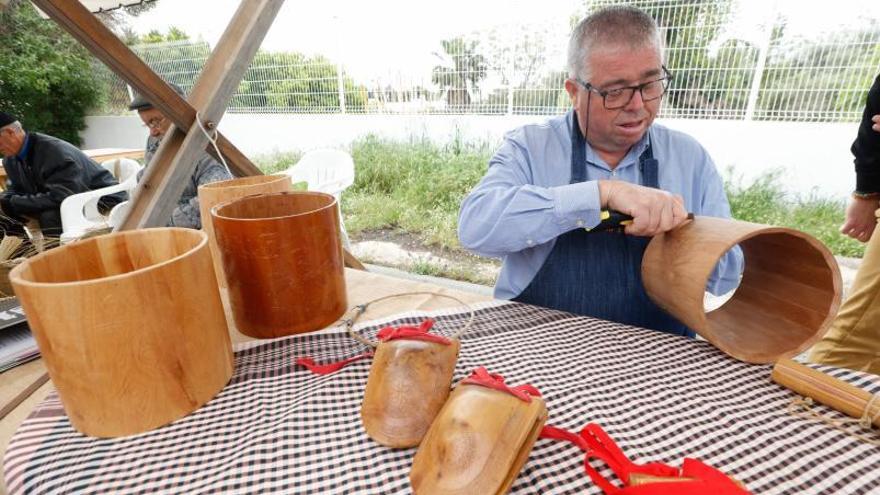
130, 326
227, 190
789, 293
283, 261
409, 382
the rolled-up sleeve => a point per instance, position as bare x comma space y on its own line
726, 274
506, 213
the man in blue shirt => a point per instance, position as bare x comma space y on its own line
547, 183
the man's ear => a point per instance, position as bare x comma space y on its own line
571, 88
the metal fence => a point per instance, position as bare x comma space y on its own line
730, 61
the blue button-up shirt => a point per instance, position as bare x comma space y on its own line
525, 200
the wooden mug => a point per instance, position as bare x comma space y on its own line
215, 193
283, 260
788, 296
130, 326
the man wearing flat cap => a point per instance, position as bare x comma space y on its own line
207, 170
42, 171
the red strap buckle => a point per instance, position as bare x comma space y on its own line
491, 380
413, 333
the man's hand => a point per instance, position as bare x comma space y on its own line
860, 219
876, 120
653, 210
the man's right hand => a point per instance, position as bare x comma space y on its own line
860, 219
653, 210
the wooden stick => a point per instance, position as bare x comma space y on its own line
24, 394
637, 479
820, 387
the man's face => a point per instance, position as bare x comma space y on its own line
10, 141
615, 131
155, 121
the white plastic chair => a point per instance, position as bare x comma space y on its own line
79, 212
328, 171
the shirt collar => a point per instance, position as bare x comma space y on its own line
631, 157
22, 153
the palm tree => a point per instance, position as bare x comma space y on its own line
468, 69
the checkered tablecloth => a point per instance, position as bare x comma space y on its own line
278, 428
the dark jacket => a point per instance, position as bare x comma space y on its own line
52, 170
866, 148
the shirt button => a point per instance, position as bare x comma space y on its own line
613, 173
579, 223
530, 242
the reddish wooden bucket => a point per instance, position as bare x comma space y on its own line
283, 262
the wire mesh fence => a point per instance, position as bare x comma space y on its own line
731, 59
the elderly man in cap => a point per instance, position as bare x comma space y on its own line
42, 171
207, 170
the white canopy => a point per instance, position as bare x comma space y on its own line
102, 5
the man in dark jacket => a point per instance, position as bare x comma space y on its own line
42, 171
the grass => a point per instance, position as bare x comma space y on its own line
417, 187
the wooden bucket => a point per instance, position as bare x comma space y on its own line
789, 293
226, 190
283, 260
130, 326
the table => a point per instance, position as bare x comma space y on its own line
103, 154
362, 287
277, 427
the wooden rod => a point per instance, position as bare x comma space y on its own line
825, 389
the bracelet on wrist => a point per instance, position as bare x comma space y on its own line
866, 195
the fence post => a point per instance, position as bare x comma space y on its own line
340, 77
763, 50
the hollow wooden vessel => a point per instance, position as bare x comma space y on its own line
408, 384
283, 261
227, 190
130, 326
789, 294
478, 443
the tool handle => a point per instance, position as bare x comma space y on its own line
613, 219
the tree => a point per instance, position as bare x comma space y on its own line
463, 78
46, 77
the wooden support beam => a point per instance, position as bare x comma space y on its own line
172, 166
98, 39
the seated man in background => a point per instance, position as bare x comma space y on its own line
207, 170
548, 182
42, 171
853, 341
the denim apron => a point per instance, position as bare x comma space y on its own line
599, 274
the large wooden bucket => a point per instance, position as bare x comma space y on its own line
789, 294
283, 261
227, 190
130, 326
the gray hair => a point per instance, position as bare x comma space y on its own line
610, 26
15, 126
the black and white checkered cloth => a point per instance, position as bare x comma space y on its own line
278, 428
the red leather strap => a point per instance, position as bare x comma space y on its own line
326, 369
413, 333
491, 380
598, 445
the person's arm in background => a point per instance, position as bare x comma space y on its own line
187, 214
860, 220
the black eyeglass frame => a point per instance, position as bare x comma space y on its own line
667, 76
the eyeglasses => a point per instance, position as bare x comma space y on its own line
155, 122
617, 98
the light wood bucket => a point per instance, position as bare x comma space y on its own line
283, 260
227, 190
789, 293
130, 326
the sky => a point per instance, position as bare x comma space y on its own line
372, 36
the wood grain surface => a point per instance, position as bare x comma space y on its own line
789, 293
408, 384
130, 326
283, 262
227, 190
478, 443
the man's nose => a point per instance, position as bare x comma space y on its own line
636, 102
155, 132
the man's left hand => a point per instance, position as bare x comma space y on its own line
860, 219
876, 120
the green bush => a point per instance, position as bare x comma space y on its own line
46, 78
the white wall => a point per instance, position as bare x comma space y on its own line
814, 158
